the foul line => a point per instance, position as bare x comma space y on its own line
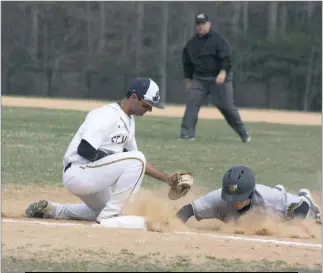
266, 241
237, 238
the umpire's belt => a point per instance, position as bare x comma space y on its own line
67, 167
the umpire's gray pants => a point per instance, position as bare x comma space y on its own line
222, 98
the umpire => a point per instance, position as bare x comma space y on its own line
206, 60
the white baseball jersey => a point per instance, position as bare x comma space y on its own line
107, 183
212, 205
107, 128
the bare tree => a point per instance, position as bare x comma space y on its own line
102, 39
47, 78
186, 29
272, 18
89, 28
245, 16
189, 9
163, 55
140, 13
283, 17
235, 17
34, 31
310, 5
308, 85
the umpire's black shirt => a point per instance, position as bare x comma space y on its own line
206, 55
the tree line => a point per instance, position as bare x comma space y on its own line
93, 49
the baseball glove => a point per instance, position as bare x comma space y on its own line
180, 184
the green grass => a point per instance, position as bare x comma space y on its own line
132, 263
35, 140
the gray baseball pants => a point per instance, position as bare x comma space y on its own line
223, 100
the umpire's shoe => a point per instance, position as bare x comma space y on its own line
245, 138
39, 209
186, 138
314, 207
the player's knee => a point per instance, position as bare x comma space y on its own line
139, 157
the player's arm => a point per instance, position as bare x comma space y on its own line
185, 213
94, 131
155, 173
224, 53
86, 150
150, 170
202, 208
187, 64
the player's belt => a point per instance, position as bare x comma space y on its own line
67, 167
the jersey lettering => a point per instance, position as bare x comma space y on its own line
108, 129
119, 139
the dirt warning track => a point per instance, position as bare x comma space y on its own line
248, 115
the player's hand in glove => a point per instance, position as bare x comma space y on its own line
180, 184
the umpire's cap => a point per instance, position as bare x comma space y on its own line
238, 184
147, 90
201, 18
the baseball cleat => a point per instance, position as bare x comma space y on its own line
186, 138
245, 138
38, 209
314, 207
280, 187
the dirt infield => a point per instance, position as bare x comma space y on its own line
248, 115
65, 241
69, 242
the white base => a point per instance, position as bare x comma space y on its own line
131, 222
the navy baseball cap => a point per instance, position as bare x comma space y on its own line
147, 90
201, 18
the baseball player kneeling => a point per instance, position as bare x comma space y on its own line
240, 194
102, 165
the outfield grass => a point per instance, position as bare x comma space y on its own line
35, 140
129, 262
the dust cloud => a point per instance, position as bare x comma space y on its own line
160, 214
257, 223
